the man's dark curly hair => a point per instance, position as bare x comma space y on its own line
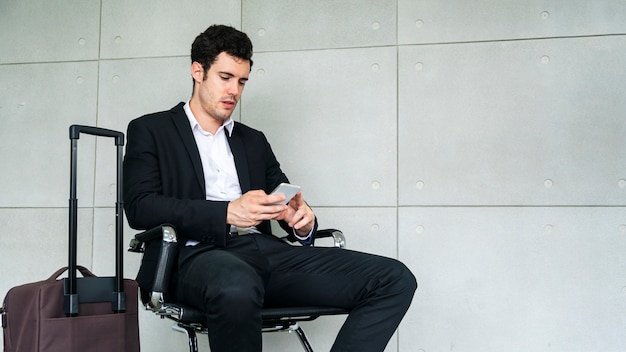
217, 39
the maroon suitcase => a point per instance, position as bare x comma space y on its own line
76, 314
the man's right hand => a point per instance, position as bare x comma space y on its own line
254, 207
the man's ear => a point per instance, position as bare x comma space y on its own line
197, 71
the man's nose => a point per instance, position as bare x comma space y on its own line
234, 89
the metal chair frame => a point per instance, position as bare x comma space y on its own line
192, 321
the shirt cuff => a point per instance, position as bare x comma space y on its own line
300, 238
308, 239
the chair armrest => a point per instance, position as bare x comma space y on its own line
338, 237
159, 246
339, 240
165, 232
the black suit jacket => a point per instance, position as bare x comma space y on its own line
164, 181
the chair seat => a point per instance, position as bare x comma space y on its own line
190, 315
301, 313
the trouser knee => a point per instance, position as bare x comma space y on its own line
404, 282
235, 300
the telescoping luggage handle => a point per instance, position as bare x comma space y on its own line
71, 298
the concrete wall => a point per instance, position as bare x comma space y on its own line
481, 142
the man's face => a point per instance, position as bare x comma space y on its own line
218, 90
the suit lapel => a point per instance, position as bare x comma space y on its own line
182, 125
241, 161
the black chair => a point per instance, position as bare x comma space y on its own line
160, 250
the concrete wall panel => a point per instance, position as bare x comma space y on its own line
297, 25
45, 31
334, 110
145, 28
422, 22
512, 123
34, 124
514, 279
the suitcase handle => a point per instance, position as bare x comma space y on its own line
71, 296
76, 130
84, 271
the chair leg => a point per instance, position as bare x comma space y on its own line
305, 342
191, 335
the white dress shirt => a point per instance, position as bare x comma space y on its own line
218, 165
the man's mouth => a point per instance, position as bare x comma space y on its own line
229, 104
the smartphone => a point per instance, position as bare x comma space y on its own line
288, 190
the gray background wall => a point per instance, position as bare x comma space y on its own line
480, 142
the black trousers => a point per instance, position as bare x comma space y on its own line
232, 285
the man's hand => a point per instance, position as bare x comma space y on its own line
298, 215
254, 207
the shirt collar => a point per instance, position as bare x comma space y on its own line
228, 125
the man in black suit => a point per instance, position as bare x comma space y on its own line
209, 176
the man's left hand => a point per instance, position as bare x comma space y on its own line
298, 215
